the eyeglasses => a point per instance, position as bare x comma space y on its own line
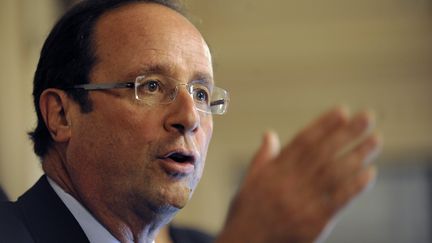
158, 89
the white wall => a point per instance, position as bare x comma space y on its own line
23, 27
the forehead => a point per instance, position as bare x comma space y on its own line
141, 35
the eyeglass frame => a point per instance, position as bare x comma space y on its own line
133, 84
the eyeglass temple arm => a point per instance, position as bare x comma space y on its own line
94, 86
217, 102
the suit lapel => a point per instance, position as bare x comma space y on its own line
47, 218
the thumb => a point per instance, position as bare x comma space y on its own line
269, 149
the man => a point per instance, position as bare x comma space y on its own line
125, 95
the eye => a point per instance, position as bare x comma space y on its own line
201, 95
150, 86
152, 90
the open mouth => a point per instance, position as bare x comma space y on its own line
178, 163
181, 157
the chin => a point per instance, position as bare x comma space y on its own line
178, 196
167, 206
162, 196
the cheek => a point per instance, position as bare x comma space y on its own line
116, 133
206, 135
132, 125
204, 141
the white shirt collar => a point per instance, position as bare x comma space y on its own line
94, 231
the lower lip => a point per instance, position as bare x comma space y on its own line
173, 167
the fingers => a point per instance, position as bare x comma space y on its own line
269, 149
360, 157
342, 141
361, 182
310, 137
330, 137
352, 173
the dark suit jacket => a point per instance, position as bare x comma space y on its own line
40, 216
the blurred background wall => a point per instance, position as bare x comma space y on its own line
284, 62
23, 26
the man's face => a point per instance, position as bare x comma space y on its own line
125, 153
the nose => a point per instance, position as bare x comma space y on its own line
183, 117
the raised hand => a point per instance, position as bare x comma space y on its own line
293, 194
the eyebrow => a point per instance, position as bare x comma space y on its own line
169, 71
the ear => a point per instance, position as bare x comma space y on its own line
54, 105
